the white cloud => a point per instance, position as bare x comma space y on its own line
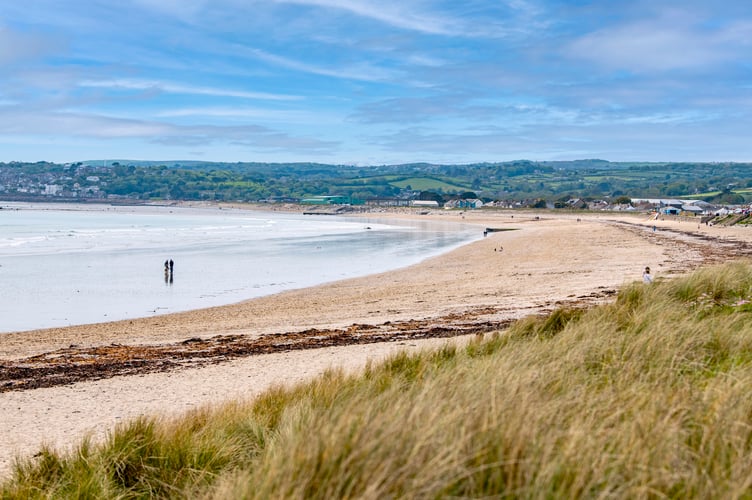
175, 88
20, 47
17, 122
662, 45
467, 19
363, 71
484, 75
296, 116
182, 9
21, 123
396, 14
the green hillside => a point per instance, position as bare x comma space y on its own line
519, 180
428, 184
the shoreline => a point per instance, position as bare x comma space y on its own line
260, 316
210, 321
225, 256
553, 261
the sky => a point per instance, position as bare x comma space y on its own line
375, 82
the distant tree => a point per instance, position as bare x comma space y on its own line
431, 196
176, 192
728, 197
539, 203
676, 189
623, 200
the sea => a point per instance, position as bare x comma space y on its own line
63, 265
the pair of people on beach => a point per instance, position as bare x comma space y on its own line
169, 267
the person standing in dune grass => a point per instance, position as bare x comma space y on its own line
646, 276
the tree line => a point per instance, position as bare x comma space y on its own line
242, 181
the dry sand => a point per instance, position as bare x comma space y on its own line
548, 260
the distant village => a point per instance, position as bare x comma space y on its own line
701, 210
52, 185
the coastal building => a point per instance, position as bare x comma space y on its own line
662, 202
466, 203
577, 203
425, 203
670, 210
692, 209
388, 202
326, 200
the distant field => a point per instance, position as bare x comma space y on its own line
427, 184
708, 194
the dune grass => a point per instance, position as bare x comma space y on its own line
646, 397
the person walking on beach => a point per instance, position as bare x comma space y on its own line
646, 276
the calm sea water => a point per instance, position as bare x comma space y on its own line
64, 265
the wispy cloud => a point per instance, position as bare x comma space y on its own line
349, 79
468, 19
176, 88
267, 115
107, 127
400, 15
364, 71
40, 123
181, 9
249, 136
666, 44
16, 46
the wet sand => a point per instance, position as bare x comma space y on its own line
58, 385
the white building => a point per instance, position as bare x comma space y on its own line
425, 203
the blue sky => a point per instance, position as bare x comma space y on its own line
375, 82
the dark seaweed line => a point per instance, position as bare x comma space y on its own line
57, 368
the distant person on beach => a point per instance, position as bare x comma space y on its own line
646, 276
172, 266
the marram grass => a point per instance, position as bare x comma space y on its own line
646, 397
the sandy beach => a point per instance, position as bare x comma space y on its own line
55, 389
